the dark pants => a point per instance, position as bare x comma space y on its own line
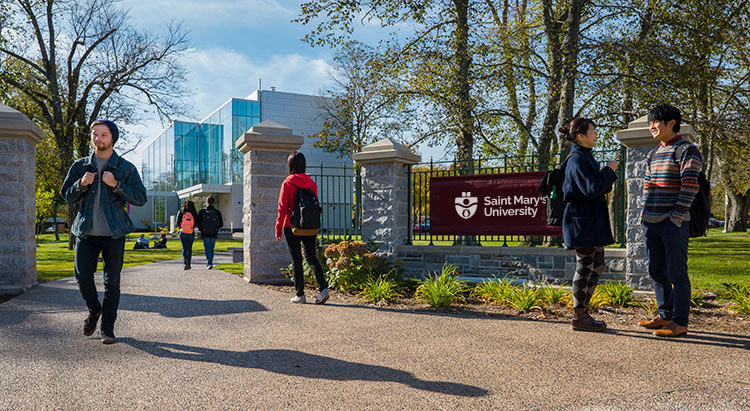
86, 259
667, 250
311, 256
208, 244
187, 247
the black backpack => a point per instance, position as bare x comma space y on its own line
551, 186
305, 219
700, 209
210, 223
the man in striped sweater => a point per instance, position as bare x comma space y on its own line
669, 188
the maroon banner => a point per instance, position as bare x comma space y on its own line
489, 204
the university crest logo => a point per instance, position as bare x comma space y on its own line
466, 205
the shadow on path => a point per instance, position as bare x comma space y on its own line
300, 364
43, 300
695, 337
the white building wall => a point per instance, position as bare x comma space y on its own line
302, 113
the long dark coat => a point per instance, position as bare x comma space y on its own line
586, 219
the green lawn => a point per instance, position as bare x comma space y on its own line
55, 261
719, 258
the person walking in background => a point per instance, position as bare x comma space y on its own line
186, 220
669, 188
297, 179
585, 221
209, 222
102, 183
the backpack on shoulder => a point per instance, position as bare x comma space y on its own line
187, 223
700, 209
551, 186
306, 212
210, 222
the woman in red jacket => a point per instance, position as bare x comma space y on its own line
298, 179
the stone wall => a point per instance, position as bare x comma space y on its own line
17, 215
385, 205
524, 263
635, 172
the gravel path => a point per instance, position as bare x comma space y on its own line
203, 339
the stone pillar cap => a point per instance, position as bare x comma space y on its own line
386, 151
637, 133
13, 124
270, 136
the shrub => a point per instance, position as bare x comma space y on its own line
741, 305
353, 263
553, 295
442, 289
615, 294
739, 295
494, 290
526, 299
380, 290
650, 306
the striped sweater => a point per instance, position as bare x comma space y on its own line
671, 183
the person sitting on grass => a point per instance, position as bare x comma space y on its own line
162, 243
141, 243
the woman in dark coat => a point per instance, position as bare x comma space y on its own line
586, 218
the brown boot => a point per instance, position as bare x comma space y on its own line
671, 330
582, 321
654, 323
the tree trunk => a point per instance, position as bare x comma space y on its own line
570, 71
465, 138
736, 214
552, 28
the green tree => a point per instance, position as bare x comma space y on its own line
79, 60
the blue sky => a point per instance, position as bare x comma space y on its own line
233, 43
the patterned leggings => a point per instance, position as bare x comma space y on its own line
589, 267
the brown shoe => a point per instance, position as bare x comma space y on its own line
582, 321
671, 330
654, 323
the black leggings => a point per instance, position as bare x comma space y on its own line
311, 256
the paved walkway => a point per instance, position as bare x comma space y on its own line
204, 339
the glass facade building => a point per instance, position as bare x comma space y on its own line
188, 153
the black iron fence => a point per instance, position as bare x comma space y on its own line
340, 195
419, 197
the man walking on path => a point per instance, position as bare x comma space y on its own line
103, 184
209, 222
669, 187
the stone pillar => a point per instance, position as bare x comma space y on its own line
639, 143
385, 190
18, 140
266, 147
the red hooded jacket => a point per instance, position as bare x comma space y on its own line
286, 197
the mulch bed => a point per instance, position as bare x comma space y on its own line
714, 315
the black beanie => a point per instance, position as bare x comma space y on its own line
112, 129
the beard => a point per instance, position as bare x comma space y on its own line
103, 146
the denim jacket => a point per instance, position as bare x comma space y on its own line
129, 189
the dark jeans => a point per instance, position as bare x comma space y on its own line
187, 247
667, 250
86, 259
208, 244
311, 256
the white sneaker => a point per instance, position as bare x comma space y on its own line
322, 296
298, 299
